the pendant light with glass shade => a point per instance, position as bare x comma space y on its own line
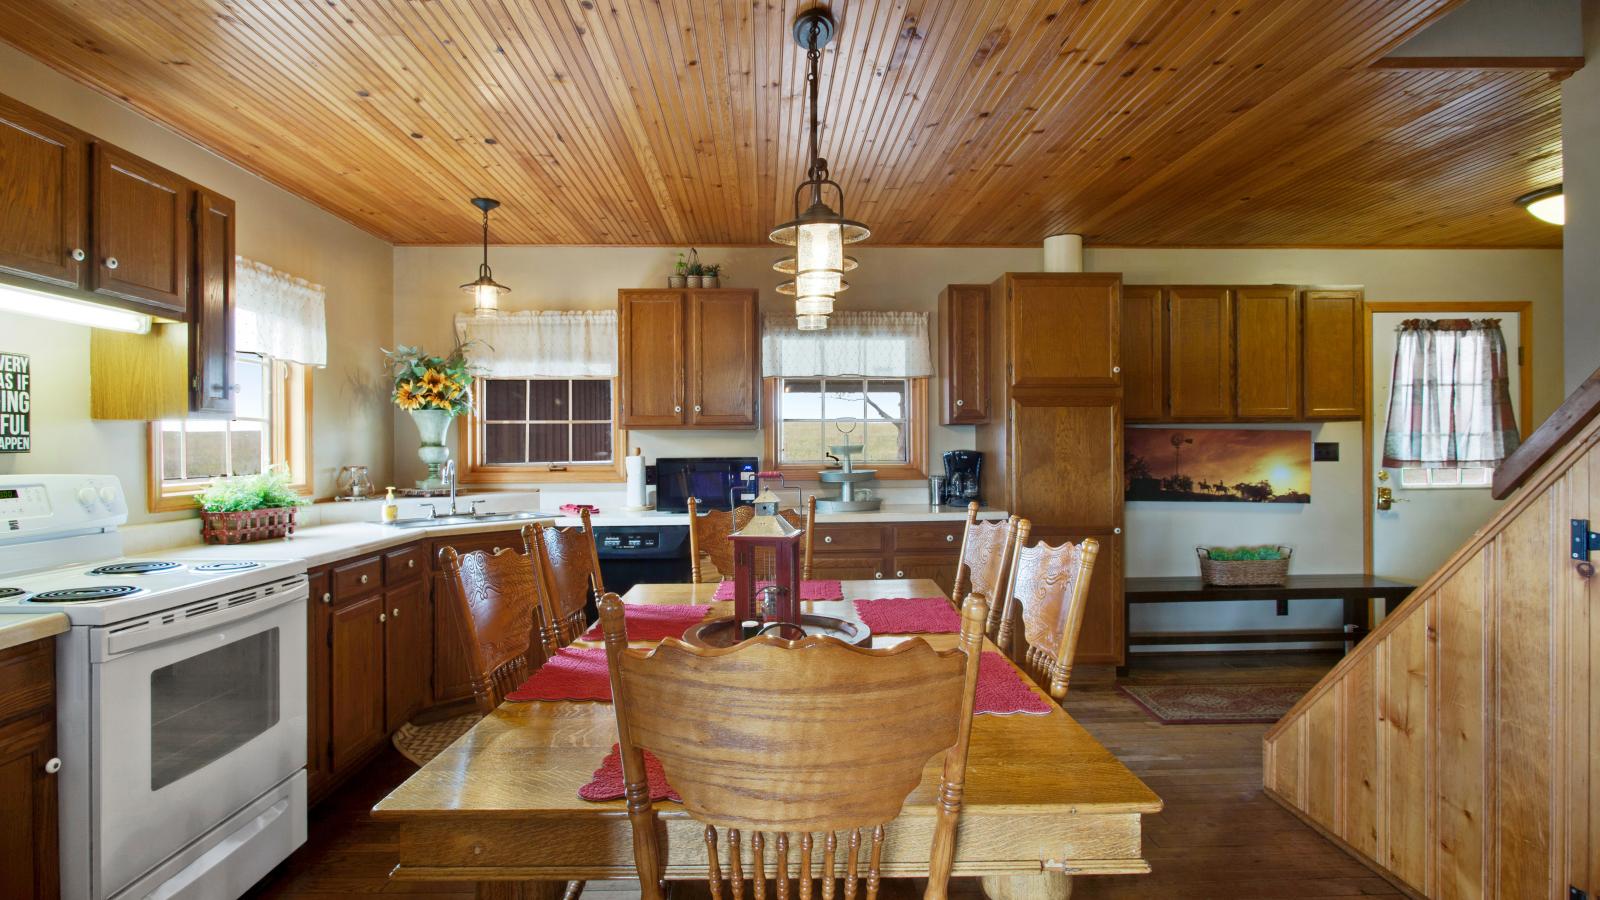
485, 290
818, 234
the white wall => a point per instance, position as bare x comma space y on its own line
351, 421
1580, 160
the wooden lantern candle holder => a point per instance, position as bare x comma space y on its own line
778, 602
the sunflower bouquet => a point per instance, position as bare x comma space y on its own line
424, 381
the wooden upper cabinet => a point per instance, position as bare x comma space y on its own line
1200, 353
44, 231
141, 233
964, 314
1063, 328
1066, 460
1144, 350
1267, 352
724, 358
1331, 346
651, 364
211, 385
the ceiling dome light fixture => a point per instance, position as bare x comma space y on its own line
485, 290
819, 233
1548, 204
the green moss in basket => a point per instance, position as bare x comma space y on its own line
1240, 554
242, 493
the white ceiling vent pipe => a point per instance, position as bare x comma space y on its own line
1063, 253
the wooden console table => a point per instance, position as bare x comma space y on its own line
1354, 590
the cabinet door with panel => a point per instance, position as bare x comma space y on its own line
140, 233
318, 685
29, 860
408, 652
355, 667
652, 363
1066, 460
1144, 350
211, 385
724, 358
1064, 329
964, 314
937, 567
847, 568
1267, 352
1331, 345
1199, 353
44, 232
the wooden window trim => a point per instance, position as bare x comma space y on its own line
914, 469
474, 471
291, 443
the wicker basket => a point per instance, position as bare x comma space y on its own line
250, 525
1240, 572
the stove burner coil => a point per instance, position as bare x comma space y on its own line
233, 566
84, 594
135, 568
7, 593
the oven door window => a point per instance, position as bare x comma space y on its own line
205, 706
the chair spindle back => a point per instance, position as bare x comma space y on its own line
1050, 588
495, 596
568, 566
708, 534
985, 554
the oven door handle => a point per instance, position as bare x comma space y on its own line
152, 631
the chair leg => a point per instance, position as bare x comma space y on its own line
574, 890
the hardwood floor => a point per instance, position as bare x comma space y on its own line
1219, 836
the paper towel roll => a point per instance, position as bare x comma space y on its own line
634, 467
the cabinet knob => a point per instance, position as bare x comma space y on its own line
78, 255
828, 539
395, 612
327, 598
53, 766
496, 551
1116, 531
697, 407
411, 564
899, 574
961, 403
877, 574
364, 578
677, 409
111, 262
383, 617
949, 539
1116, 370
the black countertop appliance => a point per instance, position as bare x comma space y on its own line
962, 469
716, 482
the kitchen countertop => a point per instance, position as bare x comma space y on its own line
16, 630
890, 512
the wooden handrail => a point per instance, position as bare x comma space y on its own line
1580, 407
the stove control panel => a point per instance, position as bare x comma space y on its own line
42, 504
24, 501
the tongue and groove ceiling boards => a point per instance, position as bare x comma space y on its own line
949, 122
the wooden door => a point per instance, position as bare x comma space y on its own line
1267, 352
141, 230
1332, 347
355, 668
1063, 329
43, 165
408, 652
964, 316
653, 358
1144, 349
211, 385
29, 862
1199, 353
318, 684
724, 358
937, 567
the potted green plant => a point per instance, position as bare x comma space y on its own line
696, 274
1235, 566
434, 390
680, 274
248, 508
711, 276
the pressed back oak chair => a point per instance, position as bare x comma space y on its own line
738, 744
495, 594
708, 535
1048, 590
568, 567
985, 553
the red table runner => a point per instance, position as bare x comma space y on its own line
1002, 690
652, 623
909, 615
608, 784
574, 673
809, 590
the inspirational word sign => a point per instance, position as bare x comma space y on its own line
15, 421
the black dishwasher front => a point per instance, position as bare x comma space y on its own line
642, 554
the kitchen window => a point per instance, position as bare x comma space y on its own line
543, 429
270, 427
806, 416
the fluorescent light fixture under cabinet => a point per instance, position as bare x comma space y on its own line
43, 305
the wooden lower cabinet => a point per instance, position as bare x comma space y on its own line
29, 860
356, 673
408, 653
938, 567
846, 568
319, 612
906, 550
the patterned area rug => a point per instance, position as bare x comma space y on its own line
1215, 704
421, 743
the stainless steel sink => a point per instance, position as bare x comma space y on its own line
466, 519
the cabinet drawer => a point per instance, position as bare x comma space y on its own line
358, 577
848, 568
929, 536
27, 678
848, 538
488, 543
405, 564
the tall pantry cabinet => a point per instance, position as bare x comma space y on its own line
1052, 449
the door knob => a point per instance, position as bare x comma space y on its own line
1387, 499
53, 766
111, 262
78, 255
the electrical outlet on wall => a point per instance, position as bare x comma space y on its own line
1324, 451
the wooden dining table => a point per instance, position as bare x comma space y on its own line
1044, 800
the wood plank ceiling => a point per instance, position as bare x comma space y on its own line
950, 122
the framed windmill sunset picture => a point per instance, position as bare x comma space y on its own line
1217, 465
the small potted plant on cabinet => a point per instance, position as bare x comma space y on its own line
711, 276
680, 274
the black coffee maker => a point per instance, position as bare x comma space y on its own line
962, 469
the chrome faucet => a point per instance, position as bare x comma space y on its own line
448, 473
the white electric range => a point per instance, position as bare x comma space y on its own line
181, 697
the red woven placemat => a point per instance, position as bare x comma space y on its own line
1002, 691
909, 615
809, 590
574, 673
607, 783
652, 623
